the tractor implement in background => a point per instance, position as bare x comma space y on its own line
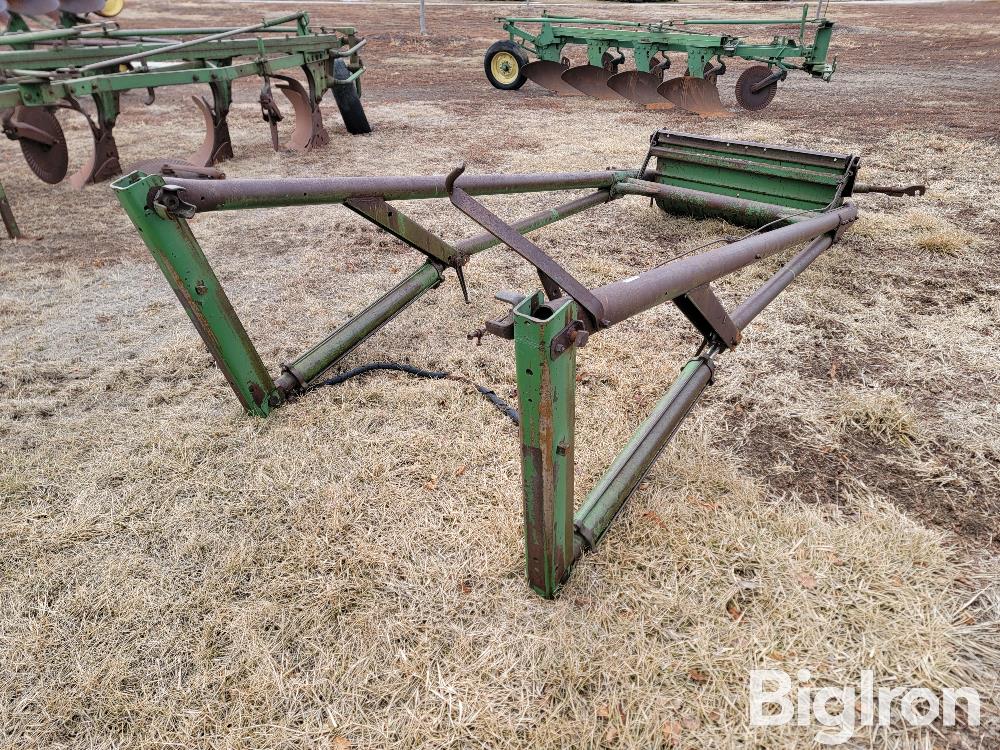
44, 72
66, 13
510, 62
787, 198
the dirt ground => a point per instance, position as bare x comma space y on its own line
349, 572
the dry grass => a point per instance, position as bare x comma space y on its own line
349, 573
879, 413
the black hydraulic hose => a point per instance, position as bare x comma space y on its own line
489, 394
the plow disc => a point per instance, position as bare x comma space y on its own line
42, 142
750, 79
591, 80
103, 160
640, 88
699, 95
548, 74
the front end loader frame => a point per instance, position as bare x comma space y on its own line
788, 197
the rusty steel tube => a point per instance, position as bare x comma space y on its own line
623, 299
775, 285
682, 201
337, 345
537, 220
224, 195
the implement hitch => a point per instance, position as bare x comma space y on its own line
787, 198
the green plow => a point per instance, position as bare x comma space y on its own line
536, 50
56, 69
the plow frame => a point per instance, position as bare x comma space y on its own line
646, 40
546, 327
66, 74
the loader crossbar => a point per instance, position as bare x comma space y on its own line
547, 327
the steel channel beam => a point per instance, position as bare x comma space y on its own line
546, 388
199, 290
97, 56
309, 366
53, 92
623, 299
227, 195
174, 47
640, 453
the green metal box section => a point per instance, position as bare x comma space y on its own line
806, 180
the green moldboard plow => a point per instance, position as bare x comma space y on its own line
786, 198
537, 49
54, 69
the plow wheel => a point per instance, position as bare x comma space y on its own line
505, 62
593, 80
349, 102
111, 8
309, 132
548, 74
749, 80
41, 139
698, 95
217, 145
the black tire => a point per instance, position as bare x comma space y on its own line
510, 78
349, 102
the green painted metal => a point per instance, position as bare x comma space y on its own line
728, 176
553, 33
49, 75
190, 275
546, 391
766, 174
335, 347
624, 475
212, 66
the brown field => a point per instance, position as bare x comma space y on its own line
174, 574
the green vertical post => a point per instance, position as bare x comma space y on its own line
189, 273
546, 390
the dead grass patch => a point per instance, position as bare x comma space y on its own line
880, 413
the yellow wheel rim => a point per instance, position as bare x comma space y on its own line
505, 68
111, 8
